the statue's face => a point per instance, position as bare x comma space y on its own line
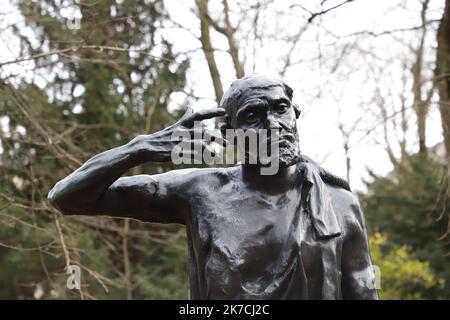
269, 108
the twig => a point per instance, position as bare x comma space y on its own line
61, 239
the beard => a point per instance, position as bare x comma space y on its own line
289, 148
287, 143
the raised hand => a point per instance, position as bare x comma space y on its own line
158, 146
95, 187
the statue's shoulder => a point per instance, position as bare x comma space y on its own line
329, 178
345, 203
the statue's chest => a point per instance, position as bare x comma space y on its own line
254, 221
248, 231
246, 241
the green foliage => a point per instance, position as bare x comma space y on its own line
114, 83
113, 80
411, 208
402, 275
168, 276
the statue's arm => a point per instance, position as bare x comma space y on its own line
357, 271
97, 189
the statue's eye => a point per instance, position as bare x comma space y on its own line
281, 108
251, 117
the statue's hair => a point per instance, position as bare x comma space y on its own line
327, 176
253, 81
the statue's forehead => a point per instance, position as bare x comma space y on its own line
273, 92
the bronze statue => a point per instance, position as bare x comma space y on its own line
297, 234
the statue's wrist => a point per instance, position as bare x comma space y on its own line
143, 148
139, 148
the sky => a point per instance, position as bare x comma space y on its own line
345, 94
334, 78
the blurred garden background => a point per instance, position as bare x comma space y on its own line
78, 77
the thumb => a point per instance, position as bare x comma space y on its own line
187, 113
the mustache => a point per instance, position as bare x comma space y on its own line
283, 136
289, 137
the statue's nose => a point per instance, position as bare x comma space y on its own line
272, 122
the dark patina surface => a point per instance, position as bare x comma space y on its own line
298, 234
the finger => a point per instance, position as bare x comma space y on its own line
210, 136
218, 138
202, 132
204, 145
197, 152
202, 115
189, 111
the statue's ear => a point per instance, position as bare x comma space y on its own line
297, 110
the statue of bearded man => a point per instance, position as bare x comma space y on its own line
296, 234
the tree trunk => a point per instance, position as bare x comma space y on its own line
234, 52
420, 106
443, 75
205, 39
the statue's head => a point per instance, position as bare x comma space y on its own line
259, 102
